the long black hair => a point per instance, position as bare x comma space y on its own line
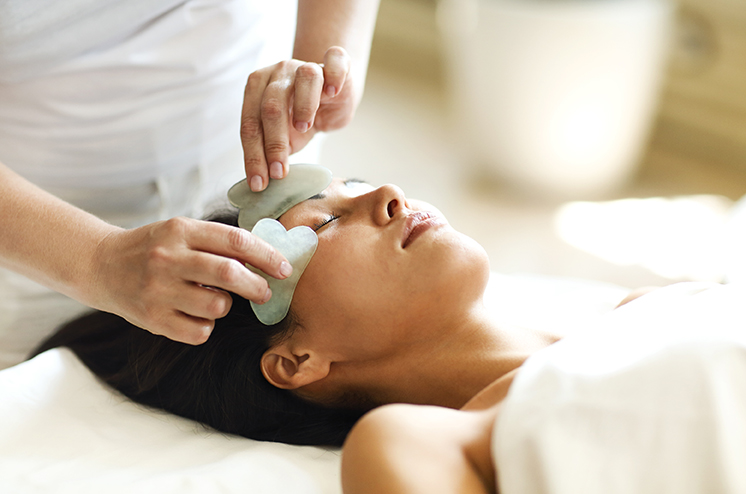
218, 383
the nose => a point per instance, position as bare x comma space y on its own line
389, 201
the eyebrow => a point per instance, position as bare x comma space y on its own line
347, 183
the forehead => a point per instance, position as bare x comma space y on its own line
347, 187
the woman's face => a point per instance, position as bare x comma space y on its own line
387, 271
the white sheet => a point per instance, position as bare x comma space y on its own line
61, 430
651, 399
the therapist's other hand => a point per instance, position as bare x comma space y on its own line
170, 277
286, 104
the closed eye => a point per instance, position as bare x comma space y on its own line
320, 225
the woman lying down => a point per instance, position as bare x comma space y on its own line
390, 311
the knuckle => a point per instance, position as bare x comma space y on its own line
189, 331
259, 288
337, 51
251, 128
255, 81
254, 163
165, 244
304, 112
309, 71
272, 257
159, 254
178, 221
229, 272
217, 307
338, 61
159, 257
336, 75
201, 334
176, 226
240, 240
272, 108
274, 147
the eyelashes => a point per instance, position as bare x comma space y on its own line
321, 224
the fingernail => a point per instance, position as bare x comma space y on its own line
256, 183
331, 91
301, 126
275, 170
286, 269
267, 296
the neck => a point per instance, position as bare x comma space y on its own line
449, 371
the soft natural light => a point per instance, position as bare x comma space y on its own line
679, 238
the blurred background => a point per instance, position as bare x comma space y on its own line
599, 139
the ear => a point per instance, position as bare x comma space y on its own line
288, 369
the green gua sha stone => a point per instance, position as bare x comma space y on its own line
302, 182
298, 246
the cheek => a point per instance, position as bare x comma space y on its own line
350, 278
331, 284
339, 301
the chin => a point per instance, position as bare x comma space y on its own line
462, 266
479, 261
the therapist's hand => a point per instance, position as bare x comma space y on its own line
286, 104
169, 277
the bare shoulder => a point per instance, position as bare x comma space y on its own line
416, 448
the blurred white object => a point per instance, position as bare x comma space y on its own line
679, 238
735, 243
559, 96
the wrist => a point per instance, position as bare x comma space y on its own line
92, 281
349, 24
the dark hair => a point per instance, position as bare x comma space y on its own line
218, 383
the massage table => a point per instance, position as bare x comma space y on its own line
62, 430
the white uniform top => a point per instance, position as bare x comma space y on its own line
652, 400
128, 109
108, 93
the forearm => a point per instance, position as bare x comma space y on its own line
47, 239
345, 23
156, 276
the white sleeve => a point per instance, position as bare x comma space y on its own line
652, 401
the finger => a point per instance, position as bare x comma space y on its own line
252, 138
309, 79
237, 243
226, 274
203, 302
298, 141
336, 68
187, 329
275, 109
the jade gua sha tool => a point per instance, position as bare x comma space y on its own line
302, 182
258, 212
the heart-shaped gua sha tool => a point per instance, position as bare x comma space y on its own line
302, 182
298, 246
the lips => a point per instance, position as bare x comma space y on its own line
416, 224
